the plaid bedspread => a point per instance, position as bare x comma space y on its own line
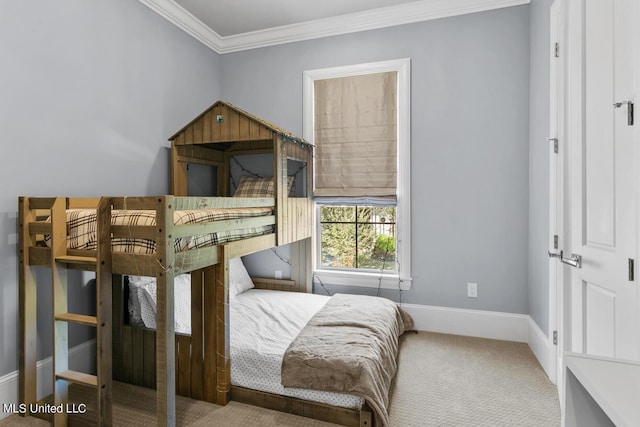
81, 228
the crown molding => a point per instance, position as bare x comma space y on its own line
406, 13
181, 18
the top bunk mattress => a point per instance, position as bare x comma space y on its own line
81, 228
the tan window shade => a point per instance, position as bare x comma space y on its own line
355, 136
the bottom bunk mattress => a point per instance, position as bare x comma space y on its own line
263, 323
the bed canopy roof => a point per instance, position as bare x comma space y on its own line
225, 123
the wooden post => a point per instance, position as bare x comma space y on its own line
223, 365
165, 338
27, 306
104, 313
60, 334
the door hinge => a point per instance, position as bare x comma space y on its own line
555, 144
556, 50
555, 241
555, 337
631, 270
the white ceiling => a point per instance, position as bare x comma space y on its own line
234, 25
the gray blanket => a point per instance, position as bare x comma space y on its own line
349, 346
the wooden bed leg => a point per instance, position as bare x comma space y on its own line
27, 307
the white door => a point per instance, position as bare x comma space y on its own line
604, 301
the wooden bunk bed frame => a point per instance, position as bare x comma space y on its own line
199, 368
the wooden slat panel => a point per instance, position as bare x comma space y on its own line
149, 369
138, 264
197, 369
186, 203
79, 260
118, 305
250, 246
206, 130
215, 129
135, 203
184, 365
39, 228
263, 283
39, 255
198, 130
127, 354
134, 231
188, 135
178, 172
137, 362
195, 259
83, 203
41, 202
78, 378
180, 139
234, 125
209, 334
225, 131
79, 319
214, 227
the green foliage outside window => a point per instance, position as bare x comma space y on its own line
361, 237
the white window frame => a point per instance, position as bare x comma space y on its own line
402, 278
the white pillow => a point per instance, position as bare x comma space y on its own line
182, 300
239, 280
135, 311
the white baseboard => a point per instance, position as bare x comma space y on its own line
486, 324
474, 323
542, 348
81, 358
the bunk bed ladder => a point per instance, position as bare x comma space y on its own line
101, 263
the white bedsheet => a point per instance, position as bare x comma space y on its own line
262, 325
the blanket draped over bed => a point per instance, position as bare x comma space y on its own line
349, 346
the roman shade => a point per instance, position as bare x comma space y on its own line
355, 134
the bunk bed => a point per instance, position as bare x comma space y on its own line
195, 365
211, 139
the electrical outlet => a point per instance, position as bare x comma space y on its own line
472, 290
278, 274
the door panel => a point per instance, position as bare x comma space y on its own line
603, 204
600, 304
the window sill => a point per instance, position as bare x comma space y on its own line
363, 279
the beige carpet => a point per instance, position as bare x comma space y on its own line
443, 380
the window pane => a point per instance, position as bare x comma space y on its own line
358, 237
337, 213
338, 245
376, 249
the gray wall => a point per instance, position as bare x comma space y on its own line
91, 90
470, 143
539, 165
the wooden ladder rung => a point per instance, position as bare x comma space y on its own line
78, 378
80, 319
71, 259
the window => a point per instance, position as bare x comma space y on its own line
358, 118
